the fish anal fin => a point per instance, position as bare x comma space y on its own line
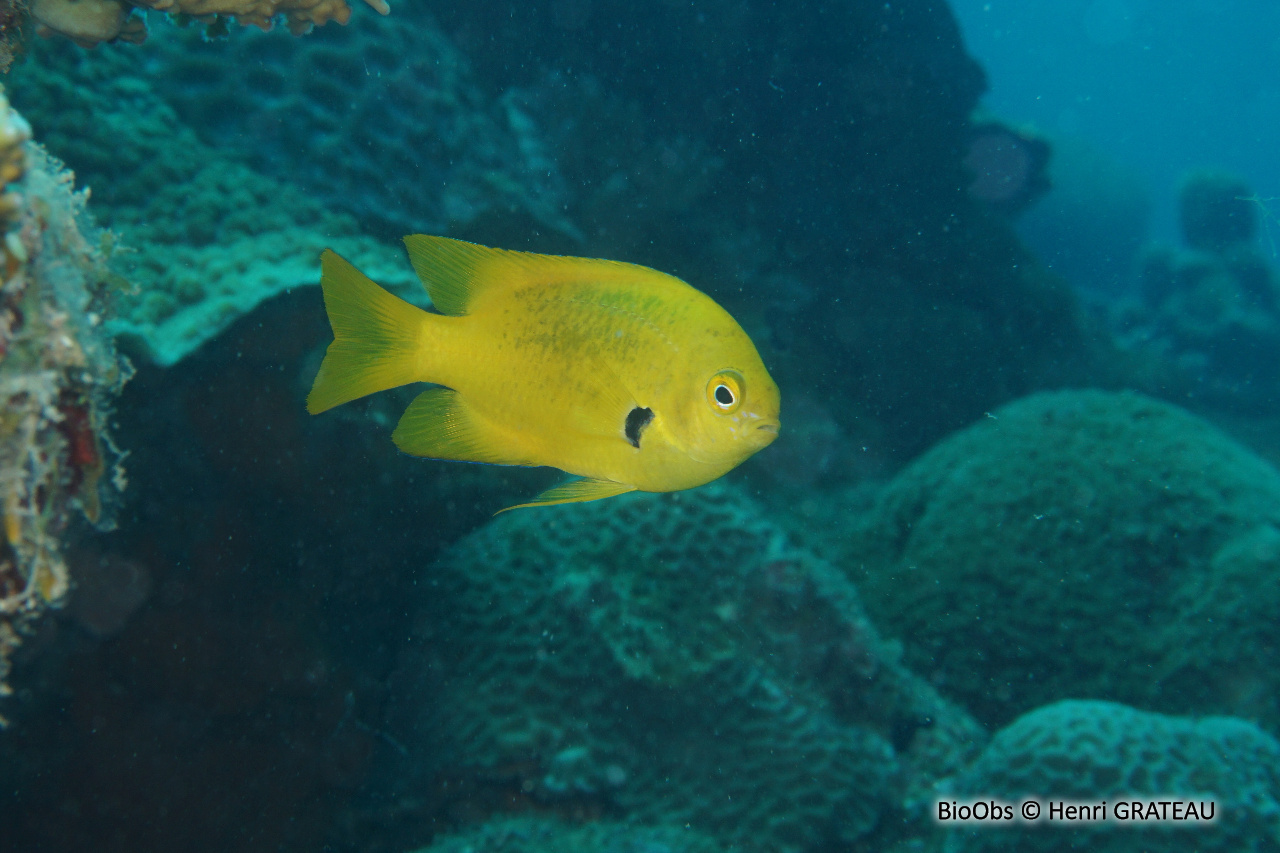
575, 491
440, 424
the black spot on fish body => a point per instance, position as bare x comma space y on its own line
637, 419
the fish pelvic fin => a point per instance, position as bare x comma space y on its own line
575, 491
378, 337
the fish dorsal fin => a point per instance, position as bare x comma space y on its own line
456, 273
575, 491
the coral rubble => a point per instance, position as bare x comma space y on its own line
1091, 752
675, 660
1082, 544
58, 371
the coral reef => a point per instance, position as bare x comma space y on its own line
543, 835
58, 371
1214, 307
300, 15
12, 13
1082, 751
1082, 544
91, 22
87, 22
208, 238
397, 131
674, 660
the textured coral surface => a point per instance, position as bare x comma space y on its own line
300, 640
674, 660
542, 835
207, 237
1081, 751
396, 129
1082, 544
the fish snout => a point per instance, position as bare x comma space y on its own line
765, 432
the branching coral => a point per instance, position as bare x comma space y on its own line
57, 371
89, 22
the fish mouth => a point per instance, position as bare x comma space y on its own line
769, 427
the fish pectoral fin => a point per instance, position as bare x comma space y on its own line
575, 491
440, 424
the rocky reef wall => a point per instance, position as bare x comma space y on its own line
59, 374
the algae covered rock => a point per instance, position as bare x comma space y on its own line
59, 376
1082, 544
675, 660
1094, 752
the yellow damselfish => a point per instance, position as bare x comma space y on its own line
620, 374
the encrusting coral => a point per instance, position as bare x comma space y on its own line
1092, 752
87, 22
301, 15
90, 22
58, 369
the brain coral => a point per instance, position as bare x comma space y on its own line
674, 660
394, 127
1083, 544
1102, 751
207, 237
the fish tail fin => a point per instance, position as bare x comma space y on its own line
378, 337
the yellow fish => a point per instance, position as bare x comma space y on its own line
620, 374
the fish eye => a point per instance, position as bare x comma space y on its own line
724, 391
